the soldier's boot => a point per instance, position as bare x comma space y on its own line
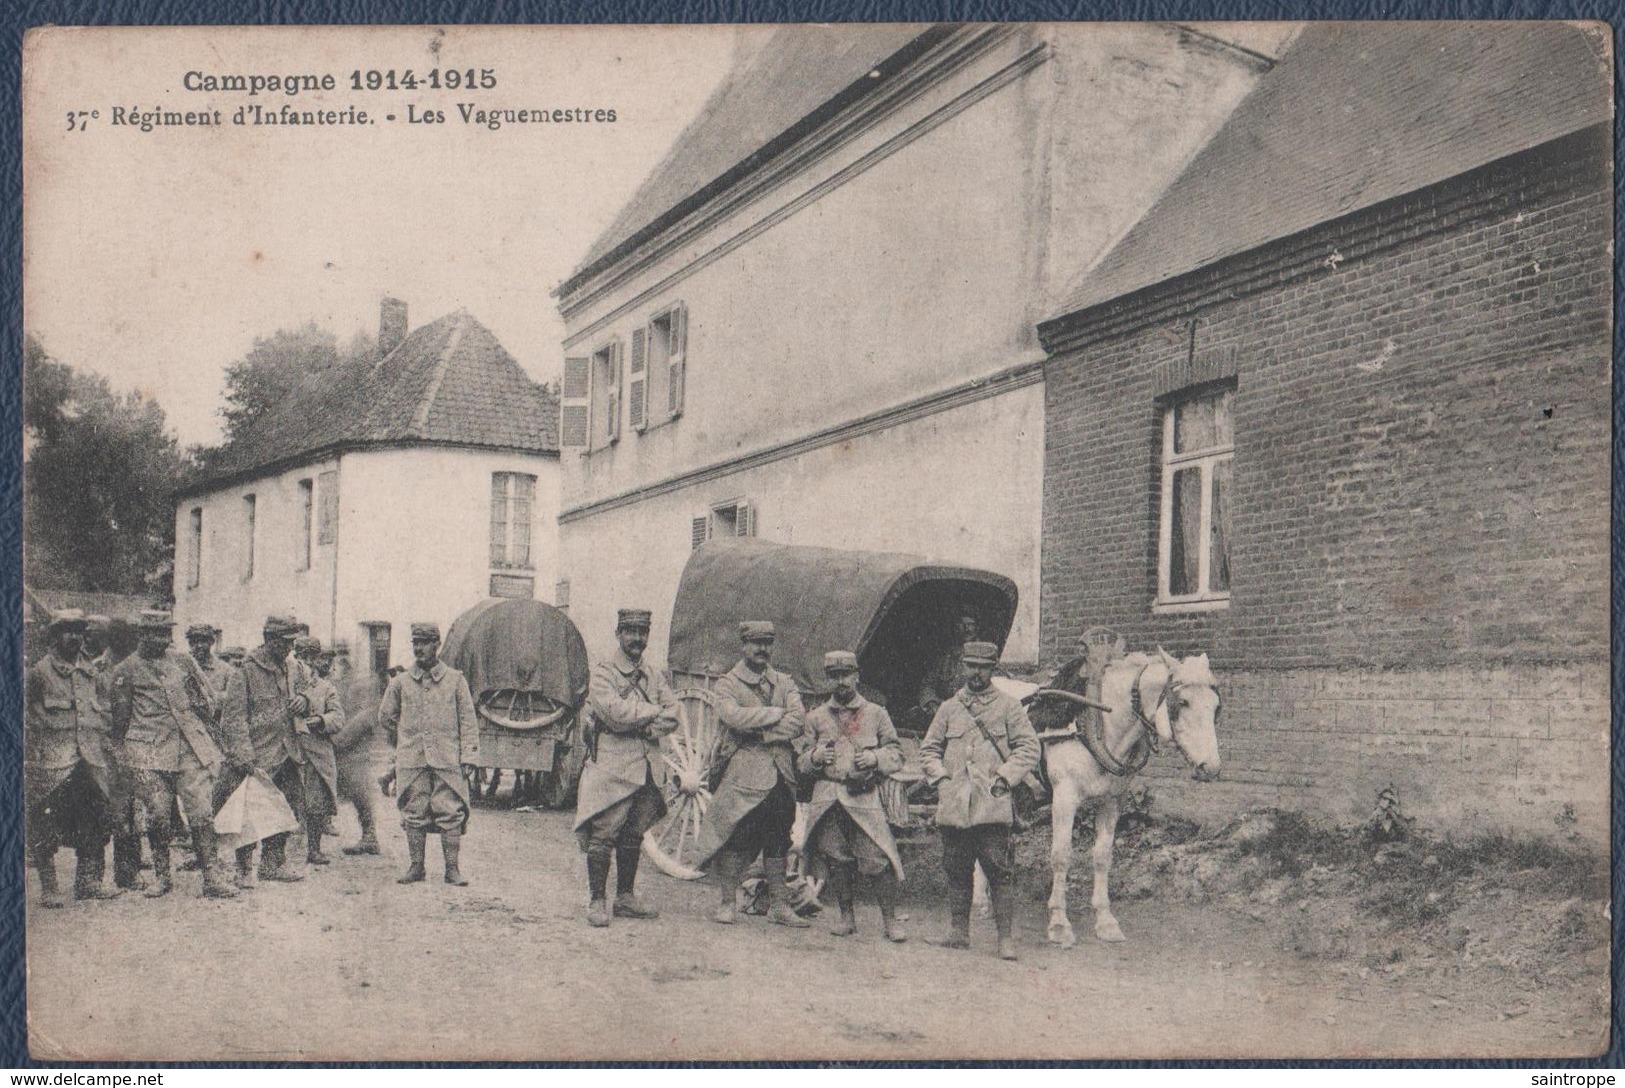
127, 863
886, 897
50, 891
959, 903
726, 867
313, 854
1004, 916
598, 858
89, 867
162, 882
451, 844
840, 890
245, 867
627, 903
274, 861
215, 884
416, 842
780, 911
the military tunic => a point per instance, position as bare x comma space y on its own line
862, 726
974, 739
619, 797
760, 753
258, 726
429, 717
162, 710
321, 769
68, 737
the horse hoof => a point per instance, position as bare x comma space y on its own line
1113, 933
1063, 936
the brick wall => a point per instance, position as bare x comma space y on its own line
1421, 487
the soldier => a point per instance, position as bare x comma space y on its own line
162, 709
754, 806
631, 708
428, 716
98, 655
980, 744
852, 745
200, 638
68, 766
947, 672
324, 718
256, 718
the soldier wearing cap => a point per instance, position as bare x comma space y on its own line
754, 806
322, 721
851, 746
428, 715
162, 711
69, 770
98, 654
980, 744
619, 798
257, 719
200, 639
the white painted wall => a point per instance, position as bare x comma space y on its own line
413, 543
959, 487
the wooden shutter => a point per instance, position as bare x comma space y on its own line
677, 366
612, 402
638, 384
700, 530
573, 395
744, 520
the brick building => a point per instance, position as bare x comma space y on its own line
1336, 410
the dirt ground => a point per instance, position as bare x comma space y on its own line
349, 965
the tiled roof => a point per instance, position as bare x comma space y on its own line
1355, 114
449, 381
799, 73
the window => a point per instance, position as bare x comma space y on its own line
194, 558
1193, 551
733, 518
327, 517
307, 504
561, 594
655, 388
606, 396
513, 497
248, 537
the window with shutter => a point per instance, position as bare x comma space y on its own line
700, 531
574, 394
638, 384
732, 518
676, 366
612, 399
744, 520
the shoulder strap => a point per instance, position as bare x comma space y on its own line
986, 733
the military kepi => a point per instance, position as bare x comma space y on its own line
200, 630
66, 619
756, 631
425, 632
980, 653
637, 618
840, 661
154, 620
280, 625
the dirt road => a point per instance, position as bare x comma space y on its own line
349, 965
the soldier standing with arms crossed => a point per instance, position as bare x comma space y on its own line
428, 715
979, 745
619, 798
754, 806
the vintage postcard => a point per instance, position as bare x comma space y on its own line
815, 542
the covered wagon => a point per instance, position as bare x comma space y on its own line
527, 668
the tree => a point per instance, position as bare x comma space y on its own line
98, 481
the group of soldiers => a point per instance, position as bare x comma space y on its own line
155, 743
117, 748
978, 746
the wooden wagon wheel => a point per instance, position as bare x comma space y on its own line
688, 752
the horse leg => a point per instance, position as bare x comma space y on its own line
1106, 927
978, 896
1063, 811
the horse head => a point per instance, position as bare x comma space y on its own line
1188, 712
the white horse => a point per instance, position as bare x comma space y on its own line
1091, 760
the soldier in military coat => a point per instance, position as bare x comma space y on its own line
631, 708
754, 806
980, 744
428, 715
852, 745
98, 655
256, 718
69, 772
162, 711
322, 720
200, 639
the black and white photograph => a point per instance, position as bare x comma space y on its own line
817, 542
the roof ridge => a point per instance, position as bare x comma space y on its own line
437, 377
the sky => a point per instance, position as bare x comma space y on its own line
157, 258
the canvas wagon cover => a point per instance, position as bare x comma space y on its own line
522, 645
819, 598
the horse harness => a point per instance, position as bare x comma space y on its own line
1093, 733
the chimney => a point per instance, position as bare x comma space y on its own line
391, 325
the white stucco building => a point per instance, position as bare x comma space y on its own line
815, 322
404, 488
